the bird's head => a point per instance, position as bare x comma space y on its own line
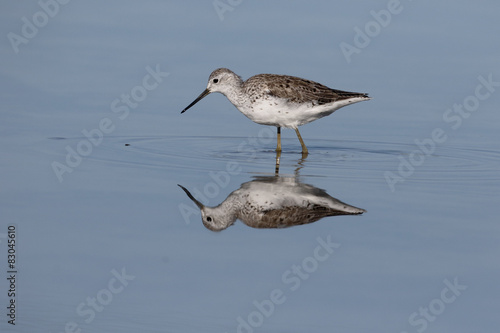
221, 80
213, 218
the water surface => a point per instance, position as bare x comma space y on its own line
113, 244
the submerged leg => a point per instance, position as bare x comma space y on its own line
277, 168
304, 148
278, 152
278, 147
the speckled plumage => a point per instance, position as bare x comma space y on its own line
295, 89
273, 202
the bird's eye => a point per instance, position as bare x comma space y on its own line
209, 219
215, 80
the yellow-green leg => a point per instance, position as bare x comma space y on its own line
304, 148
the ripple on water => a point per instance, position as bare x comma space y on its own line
208, 153
350, 158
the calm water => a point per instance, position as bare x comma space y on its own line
113, 244
129, 216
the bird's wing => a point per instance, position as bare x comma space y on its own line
294, 215
297, 90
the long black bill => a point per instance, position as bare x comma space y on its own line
203, 94
199, 204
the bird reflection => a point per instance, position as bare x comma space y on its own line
273, 202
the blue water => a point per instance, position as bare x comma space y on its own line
106, 241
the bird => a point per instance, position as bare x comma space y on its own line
278, 100
272, 202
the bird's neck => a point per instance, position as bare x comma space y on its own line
236, 96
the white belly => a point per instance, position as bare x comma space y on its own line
280, 112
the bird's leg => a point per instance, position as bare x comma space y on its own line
304, 148
278, 147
